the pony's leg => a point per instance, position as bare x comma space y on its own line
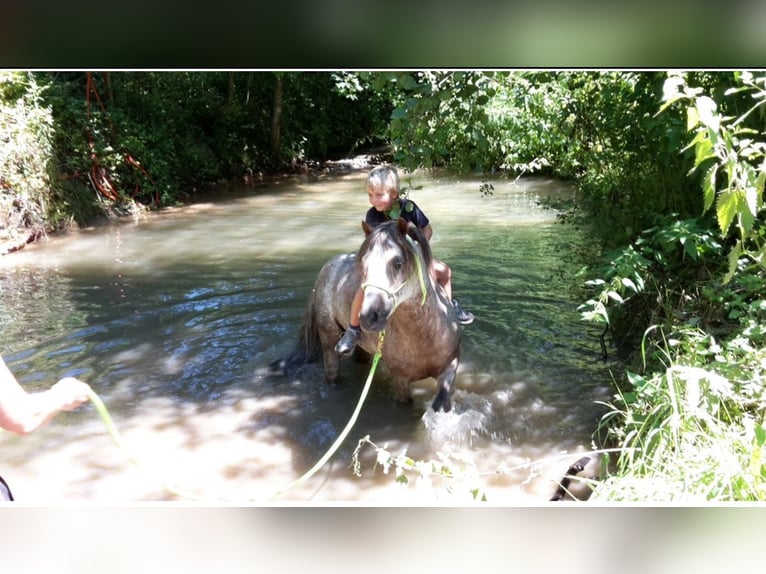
402, 391
331, 363
445, 387
328, 337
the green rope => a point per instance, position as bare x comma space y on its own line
117, 437
342, 436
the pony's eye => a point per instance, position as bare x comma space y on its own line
397, 263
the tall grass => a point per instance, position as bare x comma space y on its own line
691, 433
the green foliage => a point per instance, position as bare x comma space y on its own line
599, 128
690, 433
456, 474
731, 154
331, 115
475, 121
661, 278
121, 139
628, 170
26, 134
691, 426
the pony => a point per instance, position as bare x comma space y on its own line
422, 334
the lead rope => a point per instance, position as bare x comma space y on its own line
117, 438
351, 422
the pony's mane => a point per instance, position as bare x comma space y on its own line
395, 232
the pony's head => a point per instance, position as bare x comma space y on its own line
390, 270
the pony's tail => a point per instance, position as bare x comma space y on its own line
308, 347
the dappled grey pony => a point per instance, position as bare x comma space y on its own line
422, 334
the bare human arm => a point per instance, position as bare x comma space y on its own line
22, 412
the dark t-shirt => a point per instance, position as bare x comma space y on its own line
408, 210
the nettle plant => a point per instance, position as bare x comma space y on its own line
730, 159
731, 154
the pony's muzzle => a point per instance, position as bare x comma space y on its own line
376, 309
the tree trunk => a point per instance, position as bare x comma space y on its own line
249, 87
109, 91
230, 95
276, 116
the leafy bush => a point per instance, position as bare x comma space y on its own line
693, 428
26, 134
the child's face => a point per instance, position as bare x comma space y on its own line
382, 199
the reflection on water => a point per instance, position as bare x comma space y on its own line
172, 319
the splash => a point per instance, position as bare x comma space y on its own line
470, 418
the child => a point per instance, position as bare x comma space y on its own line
383, 194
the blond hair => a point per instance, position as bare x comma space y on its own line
385, 177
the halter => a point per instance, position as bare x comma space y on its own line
392, 294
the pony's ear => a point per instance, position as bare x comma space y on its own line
366, 228
409, 229
403, 226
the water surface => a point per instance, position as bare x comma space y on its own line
172, 317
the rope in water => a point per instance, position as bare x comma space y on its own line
351, 422
118, 440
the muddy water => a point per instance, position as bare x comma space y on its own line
172, 317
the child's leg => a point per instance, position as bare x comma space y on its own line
351, 336
443, 274
356, 308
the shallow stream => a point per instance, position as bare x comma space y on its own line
172, 316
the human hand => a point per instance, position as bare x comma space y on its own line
71, 393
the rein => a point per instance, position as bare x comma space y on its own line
392, 294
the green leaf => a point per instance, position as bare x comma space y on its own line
751, 200
635, 379
706, 109
690, 249
692, 118
628, 282
615, 296
629, 397
759, 183
733, 261
726, 209
760, 435
408, 82
708, 186
747, 217
399, 113
703, 151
